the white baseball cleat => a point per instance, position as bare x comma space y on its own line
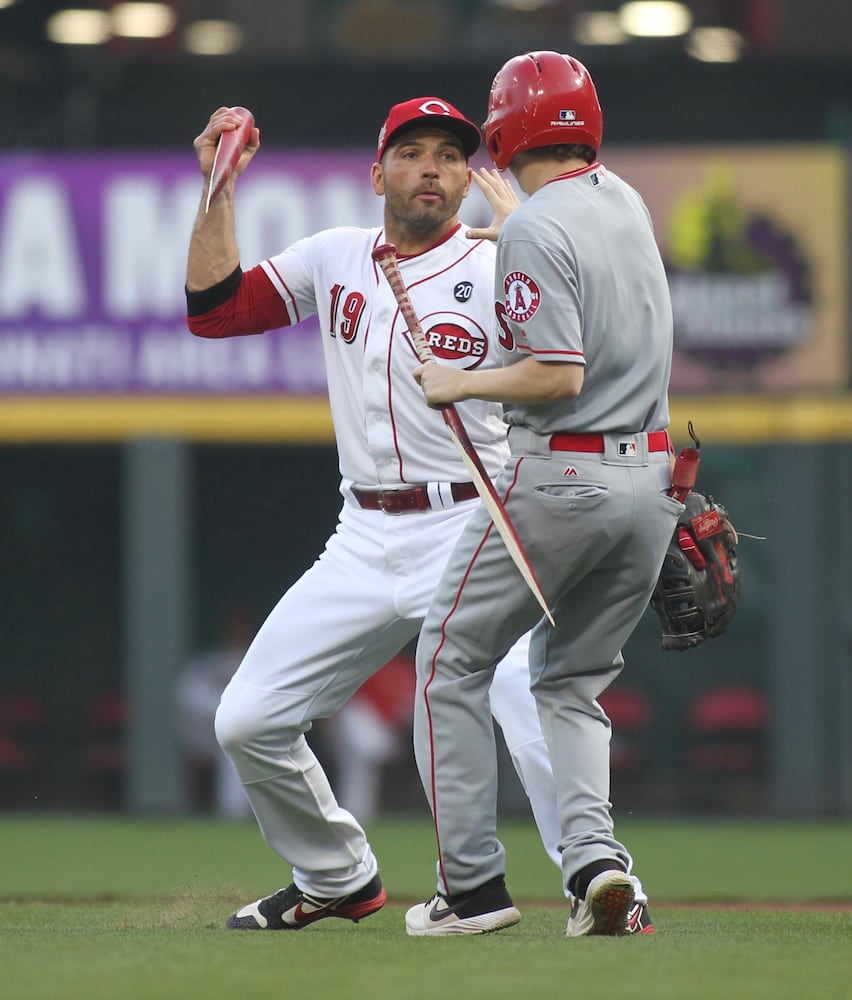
480, 911
291, 908
606, 908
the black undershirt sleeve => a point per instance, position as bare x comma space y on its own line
209, 298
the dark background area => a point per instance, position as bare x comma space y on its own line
324, 72
89, 100
262, 515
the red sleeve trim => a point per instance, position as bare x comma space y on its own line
254, 307
569, 355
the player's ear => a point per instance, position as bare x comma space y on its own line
469, 182
377, 179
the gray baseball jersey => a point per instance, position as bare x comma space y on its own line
581, 279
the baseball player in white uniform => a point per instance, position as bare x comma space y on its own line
582, 300
406, 495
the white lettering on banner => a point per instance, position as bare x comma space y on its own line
167, 361
275, 211
92, 265
272, 212
146, 229
145, 243
64, 359
342, 201
736, 310
40, 261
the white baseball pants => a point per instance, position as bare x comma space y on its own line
357, 606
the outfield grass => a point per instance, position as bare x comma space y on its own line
96, 907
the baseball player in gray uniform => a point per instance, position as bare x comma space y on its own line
586, 334
404, 488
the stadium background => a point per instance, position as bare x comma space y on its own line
131, 521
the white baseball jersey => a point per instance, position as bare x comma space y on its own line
364, 598
385, 432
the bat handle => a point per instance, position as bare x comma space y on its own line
425, 354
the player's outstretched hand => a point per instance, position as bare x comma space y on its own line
441, 384
501, 197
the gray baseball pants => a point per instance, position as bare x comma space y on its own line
596, 528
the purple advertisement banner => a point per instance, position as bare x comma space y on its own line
93, 257
92, 264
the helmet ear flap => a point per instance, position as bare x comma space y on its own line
494, 144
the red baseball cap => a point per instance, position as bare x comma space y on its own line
423, 111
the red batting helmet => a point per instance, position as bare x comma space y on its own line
541, 99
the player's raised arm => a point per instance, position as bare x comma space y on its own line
213, 250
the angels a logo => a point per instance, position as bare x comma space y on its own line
450, 341
522, 296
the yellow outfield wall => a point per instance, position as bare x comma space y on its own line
745, 420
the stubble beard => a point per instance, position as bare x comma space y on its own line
422, 221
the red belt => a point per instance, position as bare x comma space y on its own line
402, 499
657, 441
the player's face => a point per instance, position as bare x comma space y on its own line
424, 178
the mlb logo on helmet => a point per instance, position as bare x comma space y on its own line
567, 116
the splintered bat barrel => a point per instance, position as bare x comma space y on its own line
228, 152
